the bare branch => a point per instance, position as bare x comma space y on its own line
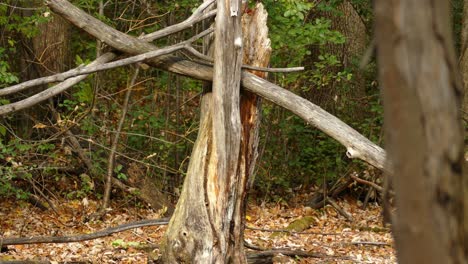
51, 92
82, 237
81, 70
375, 186
196, 17
115, 141
209, 61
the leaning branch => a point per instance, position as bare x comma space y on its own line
79, 238
196, 17
209, 62
82, 70
356, 144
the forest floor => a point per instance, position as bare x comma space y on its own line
331, 237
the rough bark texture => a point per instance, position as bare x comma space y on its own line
257, 51
335, 97
422, 95
228, 153
46, 53
357, 145
222, 177
189, 237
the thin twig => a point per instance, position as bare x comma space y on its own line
370, 243
209, 61
373, 185
115, 141
291, 232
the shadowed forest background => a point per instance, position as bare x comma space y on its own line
139, 124
328, 38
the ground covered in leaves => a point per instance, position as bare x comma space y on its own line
324, 232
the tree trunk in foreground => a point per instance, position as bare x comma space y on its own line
422, 95
464, 58
208, 224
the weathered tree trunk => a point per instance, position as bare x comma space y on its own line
207, 238
208, 224
422, 95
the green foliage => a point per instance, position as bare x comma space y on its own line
321, 76
292, 33
15, 22
6, 76
14, 165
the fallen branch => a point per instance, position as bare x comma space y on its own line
340, 210
266, 256
82, 237
357, 145
209, 61
197, 16
370, 243
373, 185
291, 232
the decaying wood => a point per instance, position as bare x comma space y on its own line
357, 145
191, 212
81, 237
340, 210
216, 240
422, 92
224, 188
209, 61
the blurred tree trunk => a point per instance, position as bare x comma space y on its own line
208, 223
464, 58
422, 98
44, 54
334, 97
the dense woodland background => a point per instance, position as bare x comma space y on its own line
136, 126
66, 146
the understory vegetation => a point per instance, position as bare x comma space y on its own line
161, 124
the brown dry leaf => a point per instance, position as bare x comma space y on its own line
39, 126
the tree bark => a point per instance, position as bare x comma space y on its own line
335, 98
222, 183
422, 95
45, 53
464, 58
